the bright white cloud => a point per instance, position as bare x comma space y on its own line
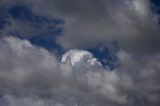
80, 59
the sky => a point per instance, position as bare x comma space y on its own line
79, 52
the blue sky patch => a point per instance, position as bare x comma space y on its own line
48, 29
105, 56
156, 5
22, 13
3, 18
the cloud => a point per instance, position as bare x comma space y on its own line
28, 71
33, 76
81, 59
132, 23
19, 20
91, 22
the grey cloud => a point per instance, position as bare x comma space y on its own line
88, 23
27, 71
32, 76
132, 24
20, 20
91, 22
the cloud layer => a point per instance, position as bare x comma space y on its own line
132, 23
32, 76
